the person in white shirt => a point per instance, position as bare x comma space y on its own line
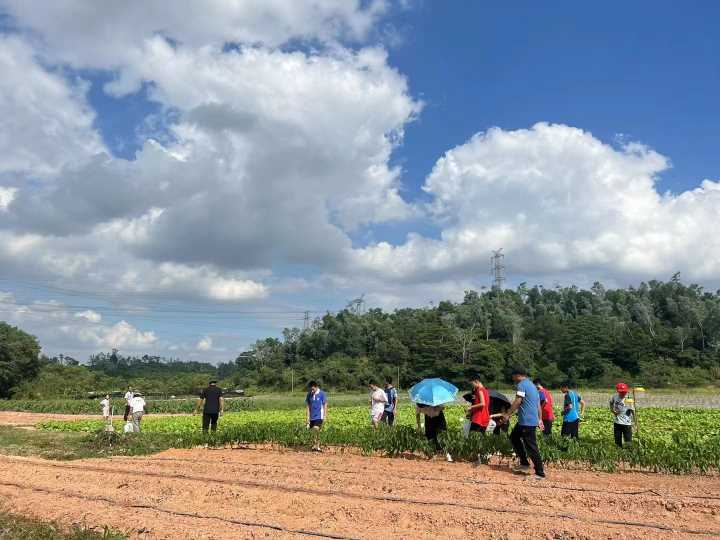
137, 407
128, 397
105, 404
378, 399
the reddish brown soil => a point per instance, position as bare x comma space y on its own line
285, 494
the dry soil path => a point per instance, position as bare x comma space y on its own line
184, 494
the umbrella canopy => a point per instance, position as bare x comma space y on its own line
433, 392
494, 394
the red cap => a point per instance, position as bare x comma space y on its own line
622, 387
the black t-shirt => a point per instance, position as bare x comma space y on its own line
211, 395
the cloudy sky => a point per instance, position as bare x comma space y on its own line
181, 180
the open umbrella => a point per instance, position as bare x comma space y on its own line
433, 392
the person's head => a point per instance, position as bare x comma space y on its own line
475, 382
138, 394
313, 386
130, 388
622, 389
538, 383
107, 396
565, 386
212, 383
388, 381
373, 386
519, 373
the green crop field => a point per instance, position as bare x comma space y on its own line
682, 441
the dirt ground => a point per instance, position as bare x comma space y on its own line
261, 493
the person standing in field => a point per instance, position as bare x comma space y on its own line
392, 400
479, 411
623, 414
546, 406
213, 406
378, 400
523, 436
105, 404
573, 411
137, 410
316, 412
128, 409
435, 424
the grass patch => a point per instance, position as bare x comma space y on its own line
15, 527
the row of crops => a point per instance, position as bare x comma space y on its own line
678, 441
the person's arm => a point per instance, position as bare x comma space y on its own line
307, 411
514, 407
325, 408
222, 405
540, 420
582, 407
568, 405
200, 404
478, 405
612, 407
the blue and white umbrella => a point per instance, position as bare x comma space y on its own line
433, 392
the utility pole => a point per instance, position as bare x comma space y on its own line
306, 321
497, 269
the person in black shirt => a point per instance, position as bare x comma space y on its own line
213, 406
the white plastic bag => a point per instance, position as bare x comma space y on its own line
491, 426
466, 428
128, 427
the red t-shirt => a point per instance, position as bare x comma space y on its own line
481, 416
547, 408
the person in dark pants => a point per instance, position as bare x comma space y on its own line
623, 414
435, 424
573, 410
546, 406
391, 405
523, 436
128, 396
213, 405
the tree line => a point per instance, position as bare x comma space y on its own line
656, 334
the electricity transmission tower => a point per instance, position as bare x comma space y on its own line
497, 269
357, 306
306, 321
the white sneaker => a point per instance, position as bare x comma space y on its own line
449, 458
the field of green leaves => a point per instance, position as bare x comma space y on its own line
680, 441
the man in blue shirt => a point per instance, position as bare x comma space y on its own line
391, 405
573, 409
527, 405
316, 412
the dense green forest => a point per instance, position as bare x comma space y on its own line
657, 334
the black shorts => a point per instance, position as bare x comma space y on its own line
388, 417
477, 427
316, 423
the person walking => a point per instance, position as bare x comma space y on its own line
316, 412
573, 411
435, 424
378, 400
137, 410
128, 409
546, 406
479, 411
392, 400
623, 415
213, 406
523, 435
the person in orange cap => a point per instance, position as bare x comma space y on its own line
623, 413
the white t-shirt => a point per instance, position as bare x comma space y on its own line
128, 396
105, 404
379, 399
137, 404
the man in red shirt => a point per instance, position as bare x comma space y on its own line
546, 406
479, 411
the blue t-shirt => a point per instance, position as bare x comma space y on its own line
391, 394
571, 398
316, 402
529, 411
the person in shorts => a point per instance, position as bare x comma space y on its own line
391, 405
546, 405
316, 412
105, 404
378, 400
479, 411
573, 410
213, 405
623, 415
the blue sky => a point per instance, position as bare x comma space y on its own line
146, 226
